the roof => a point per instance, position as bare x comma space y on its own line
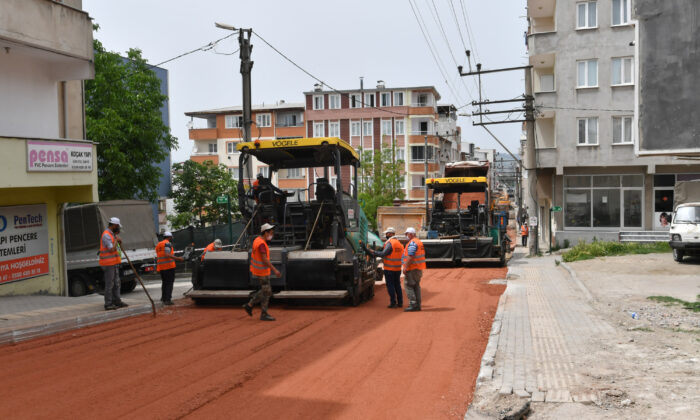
300, 153
239, 108
458, 184
375, 89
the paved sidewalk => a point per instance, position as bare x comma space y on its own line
26, 317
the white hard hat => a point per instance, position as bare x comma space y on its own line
217, 243
167, 234
265, 227
411, 230
115, 221
390, 230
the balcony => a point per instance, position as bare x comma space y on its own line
543, 80
203, 134
542, 16
202, 157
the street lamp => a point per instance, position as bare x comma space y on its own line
225, 26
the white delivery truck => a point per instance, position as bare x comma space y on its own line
685, 224
84, 225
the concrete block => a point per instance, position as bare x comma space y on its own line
538, 396
485, 374
506, 390
522, 393
558, 395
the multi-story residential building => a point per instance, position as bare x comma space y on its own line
222, 129
583, 82
45, 161
382, 117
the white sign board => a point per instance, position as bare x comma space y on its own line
58, 156
533, 221
24, 242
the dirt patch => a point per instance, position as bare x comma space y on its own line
210, 362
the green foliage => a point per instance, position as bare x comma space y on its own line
691, 306
585, 251
380, 180
195, 188
122, 114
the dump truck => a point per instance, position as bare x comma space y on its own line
316, 246
83, 226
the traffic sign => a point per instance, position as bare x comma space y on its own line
222, 199
533, 221
556, 208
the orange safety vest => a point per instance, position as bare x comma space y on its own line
418, 260
108, 257
392, 262
209, 247
524, 230
257, 266
163, 262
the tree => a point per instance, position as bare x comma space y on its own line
122, 114
381, 176
195, 188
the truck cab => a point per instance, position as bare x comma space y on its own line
685, 230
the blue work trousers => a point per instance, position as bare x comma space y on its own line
393, 286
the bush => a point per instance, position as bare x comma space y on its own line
584, 251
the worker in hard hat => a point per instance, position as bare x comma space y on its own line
413, 266
110, 260
260, 268
214, 246
165, 264
391, 258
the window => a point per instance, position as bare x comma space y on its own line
212, 147
386, 128
333, 101
292, 173
622, 130
588, 131
603, 201
355, 128
233, 121
318, 129
367, 128
264, 171
385, 98
587, 73
233, 172
299, 194
398, 98
622, 71
402, 182
621, 12
417, 181
422, 100
318, 102
262, 120
400, 154
334, 129
417, 154
547, 83
230, 148
400, 127
289, 120
355, 100
587, 15
369, 99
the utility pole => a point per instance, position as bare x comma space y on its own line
531, 160
425, 182
246, 66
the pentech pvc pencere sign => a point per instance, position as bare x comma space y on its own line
58, 156
24, 242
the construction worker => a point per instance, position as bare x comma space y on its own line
260, 267
214, 246
165, 264
524, 232
413, 266
391, 257
110, 260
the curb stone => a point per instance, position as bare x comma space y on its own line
578, 282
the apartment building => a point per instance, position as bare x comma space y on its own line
45, 161
216, 132
583, 81
377, 118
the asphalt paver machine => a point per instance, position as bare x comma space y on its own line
316, 245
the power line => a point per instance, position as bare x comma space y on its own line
583, 109
461, 36
470, 35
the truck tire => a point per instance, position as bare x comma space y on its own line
678, 255
77, 286
128, 286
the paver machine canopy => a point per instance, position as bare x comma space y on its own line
316, 243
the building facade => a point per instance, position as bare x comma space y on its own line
216, 132
45, 161
583, 81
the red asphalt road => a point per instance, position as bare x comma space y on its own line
216, 362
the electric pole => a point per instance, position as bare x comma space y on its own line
246, 66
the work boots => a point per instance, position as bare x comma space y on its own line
266, 317
248, 309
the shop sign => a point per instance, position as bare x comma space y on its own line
58, 156
24, 242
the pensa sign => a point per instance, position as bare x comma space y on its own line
56, 156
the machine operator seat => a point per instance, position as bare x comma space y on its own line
324, 190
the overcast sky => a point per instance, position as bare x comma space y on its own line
337, 41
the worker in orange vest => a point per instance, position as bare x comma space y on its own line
165, 264
260, 268
391, 258
524, 232
110, 260
214, 246
413, 266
